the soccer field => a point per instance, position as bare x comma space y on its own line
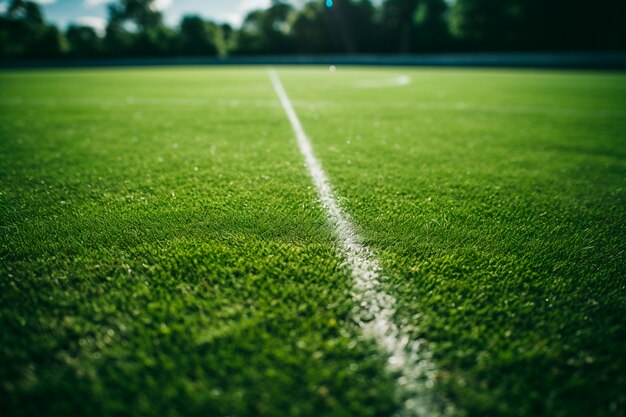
451, 243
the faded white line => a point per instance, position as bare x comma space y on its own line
408, 359
130, 100
398, 81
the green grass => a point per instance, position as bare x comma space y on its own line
163, 252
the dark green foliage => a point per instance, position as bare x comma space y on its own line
312, 30
540, 25
266, 31
431, 31
83, 41
23, 33
353, 23
197, 37
136, 28
397, 24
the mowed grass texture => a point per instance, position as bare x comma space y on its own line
163, 252
169, 258
496, 200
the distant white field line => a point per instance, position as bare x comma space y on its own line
408, 359
131, 100
446, 106
398, 81
234, 102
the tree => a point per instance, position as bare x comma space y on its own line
431, 28
266, 31
488, 24
197, 37
397, 25
24, 33
50, 44
363, 26
227, 39
136, 27
574, 24
83, 41
25, 11
312, 32
539, 25
353, 22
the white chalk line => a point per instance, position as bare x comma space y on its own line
132, 101
398, 81
408, 359
422, 106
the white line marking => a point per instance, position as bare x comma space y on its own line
127, 101
443, 106
398, 81
408, 359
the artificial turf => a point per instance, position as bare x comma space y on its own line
163, 252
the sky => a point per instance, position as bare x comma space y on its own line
94, 12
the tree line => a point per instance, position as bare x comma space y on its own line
135, 28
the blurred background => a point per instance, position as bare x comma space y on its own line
66, 29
